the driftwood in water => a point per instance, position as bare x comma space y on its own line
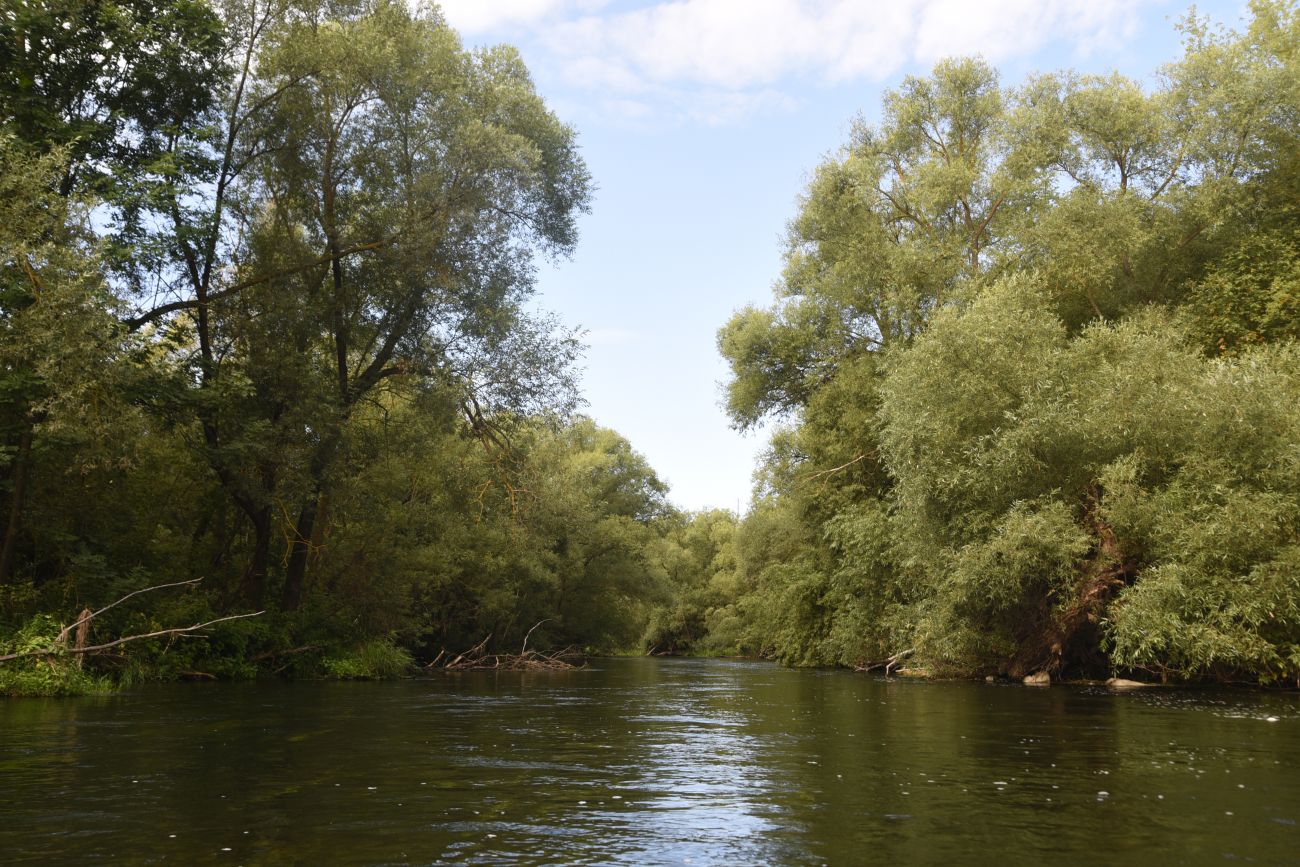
887, 664
477, 658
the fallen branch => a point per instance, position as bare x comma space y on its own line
524, 649
474, 652
55, 650
86, 618
478, 659
275, 654
888, 664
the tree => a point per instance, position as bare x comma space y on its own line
376, 207
119, 88
980, 347
58, 339
92, 95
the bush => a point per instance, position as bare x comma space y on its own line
379, 659
43, 675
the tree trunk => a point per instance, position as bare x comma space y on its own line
254, 584
307, 532
13, 526
299, 550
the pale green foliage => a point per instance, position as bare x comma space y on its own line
888, 230
58, 335
1185, 622
443, 542
43, 675
377, 659
341, 398
699, 561
1121, 449
868, 615
988, 592
596, 503
1220, 531
1005, 449
1253, 294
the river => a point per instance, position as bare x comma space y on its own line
650, 761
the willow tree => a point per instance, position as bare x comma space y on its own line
377, 197
1107, 198
889, 228
57, 335
112, 85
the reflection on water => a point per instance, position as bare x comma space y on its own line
643, 761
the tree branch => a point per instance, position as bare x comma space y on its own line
89, 617
179, 630
524, 649
191, 303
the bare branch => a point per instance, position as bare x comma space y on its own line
844, 466
179, 630
524, 649
888, 664
67, 629
191, 303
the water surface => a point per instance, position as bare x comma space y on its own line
650, 761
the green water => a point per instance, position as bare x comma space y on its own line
641, 761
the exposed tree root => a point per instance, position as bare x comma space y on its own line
1066, 634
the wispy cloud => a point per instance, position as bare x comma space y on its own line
1001, 29
716, 60
473, 17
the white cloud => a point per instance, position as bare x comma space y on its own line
480, 16
745, 43
1004, 28
715, 60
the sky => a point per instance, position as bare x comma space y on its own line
701, 121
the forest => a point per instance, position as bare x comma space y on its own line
269, 349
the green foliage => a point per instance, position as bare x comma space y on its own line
378, 659
47, 678
697, 555
1252, 294
1006, 448
338, 407
108, 80
53, 675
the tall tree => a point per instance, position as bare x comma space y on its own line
374, 212
979, 389
97, 94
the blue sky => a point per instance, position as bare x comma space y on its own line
700, 121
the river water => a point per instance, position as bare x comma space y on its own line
650, 761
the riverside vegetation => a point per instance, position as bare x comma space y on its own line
264, 273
